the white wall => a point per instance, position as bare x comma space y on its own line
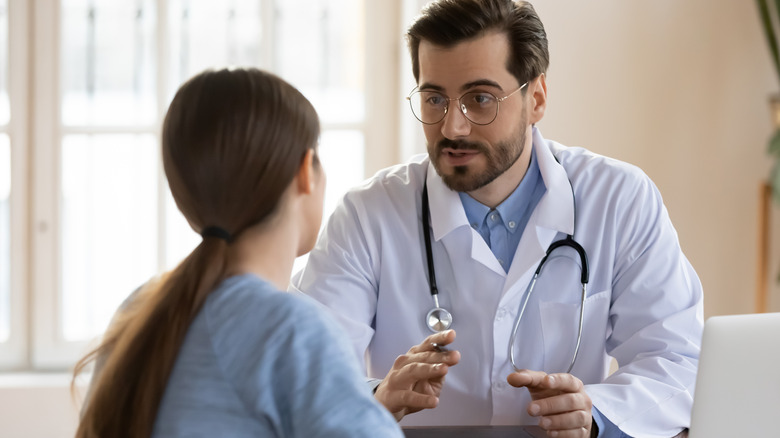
37, 406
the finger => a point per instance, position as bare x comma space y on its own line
410, 400
415, 372
439, 348
526, 378
437, 339
431, 351
563, 382
562, 403
449, 358
576, 420
570, 433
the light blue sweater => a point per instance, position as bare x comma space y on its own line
263, 363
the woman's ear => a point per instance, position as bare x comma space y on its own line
538, 99
306, 175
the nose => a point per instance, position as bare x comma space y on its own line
455, 124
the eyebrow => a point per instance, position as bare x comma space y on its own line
429, 86
466, 86
481, 82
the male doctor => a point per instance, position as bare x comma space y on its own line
499, 196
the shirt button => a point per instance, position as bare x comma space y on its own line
497, 386
512, 224
501, 314
474, 225
501, 262
493, 217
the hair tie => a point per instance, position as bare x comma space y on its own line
219, 233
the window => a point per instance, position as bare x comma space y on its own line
103, 221
5, 182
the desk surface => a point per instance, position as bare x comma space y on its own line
475, 432
484, 432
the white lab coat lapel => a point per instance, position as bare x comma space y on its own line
447, 214
553, 214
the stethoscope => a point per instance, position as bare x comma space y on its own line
439, 319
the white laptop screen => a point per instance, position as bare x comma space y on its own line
737, 390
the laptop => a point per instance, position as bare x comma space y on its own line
737, 390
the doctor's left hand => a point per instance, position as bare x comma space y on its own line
559, 400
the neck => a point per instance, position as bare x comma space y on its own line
494, 193
266, 250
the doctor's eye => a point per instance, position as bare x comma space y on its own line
479, 99
434, 99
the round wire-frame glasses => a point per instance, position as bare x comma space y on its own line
479, 107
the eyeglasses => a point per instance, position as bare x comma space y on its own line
479, 107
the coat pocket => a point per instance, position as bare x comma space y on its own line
560, 324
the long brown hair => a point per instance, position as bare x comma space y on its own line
232, 143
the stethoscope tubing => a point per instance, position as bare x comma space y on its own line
426, 211
529, 290
584, 277
439, 319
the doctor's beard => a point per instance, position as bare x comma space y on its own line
497, 160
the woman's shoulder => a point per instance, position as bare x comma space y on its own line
287, 360
252, 325
247, 306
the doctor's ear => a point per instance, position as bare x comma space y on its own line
538, 91
306, 177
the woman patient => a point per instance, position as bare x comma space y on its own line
214, 348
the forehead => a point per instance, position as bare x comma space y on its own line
479, 59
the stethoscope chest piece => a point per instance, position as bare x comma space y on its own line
438, 319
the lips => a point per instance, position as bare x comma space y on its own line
458, 157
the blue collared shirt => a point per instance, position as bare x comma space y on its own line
503, 226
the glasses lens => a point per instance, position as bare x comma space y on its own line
428, 106
480, 107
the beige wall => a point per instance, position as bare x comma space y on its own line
679, 88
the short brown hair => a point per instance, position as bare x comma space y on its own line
448, 22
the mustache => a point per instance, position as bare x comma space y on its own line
446, 143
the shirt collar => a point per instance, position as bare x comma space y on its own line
555, 210
513, 207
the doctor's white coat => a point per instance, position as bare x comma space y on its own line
643, 307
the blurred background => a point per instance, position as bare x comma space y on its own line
679, 88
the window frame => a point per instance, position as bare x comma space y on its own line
48, 350
13, 352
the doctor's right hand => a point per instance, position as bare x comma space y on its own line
417, 377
